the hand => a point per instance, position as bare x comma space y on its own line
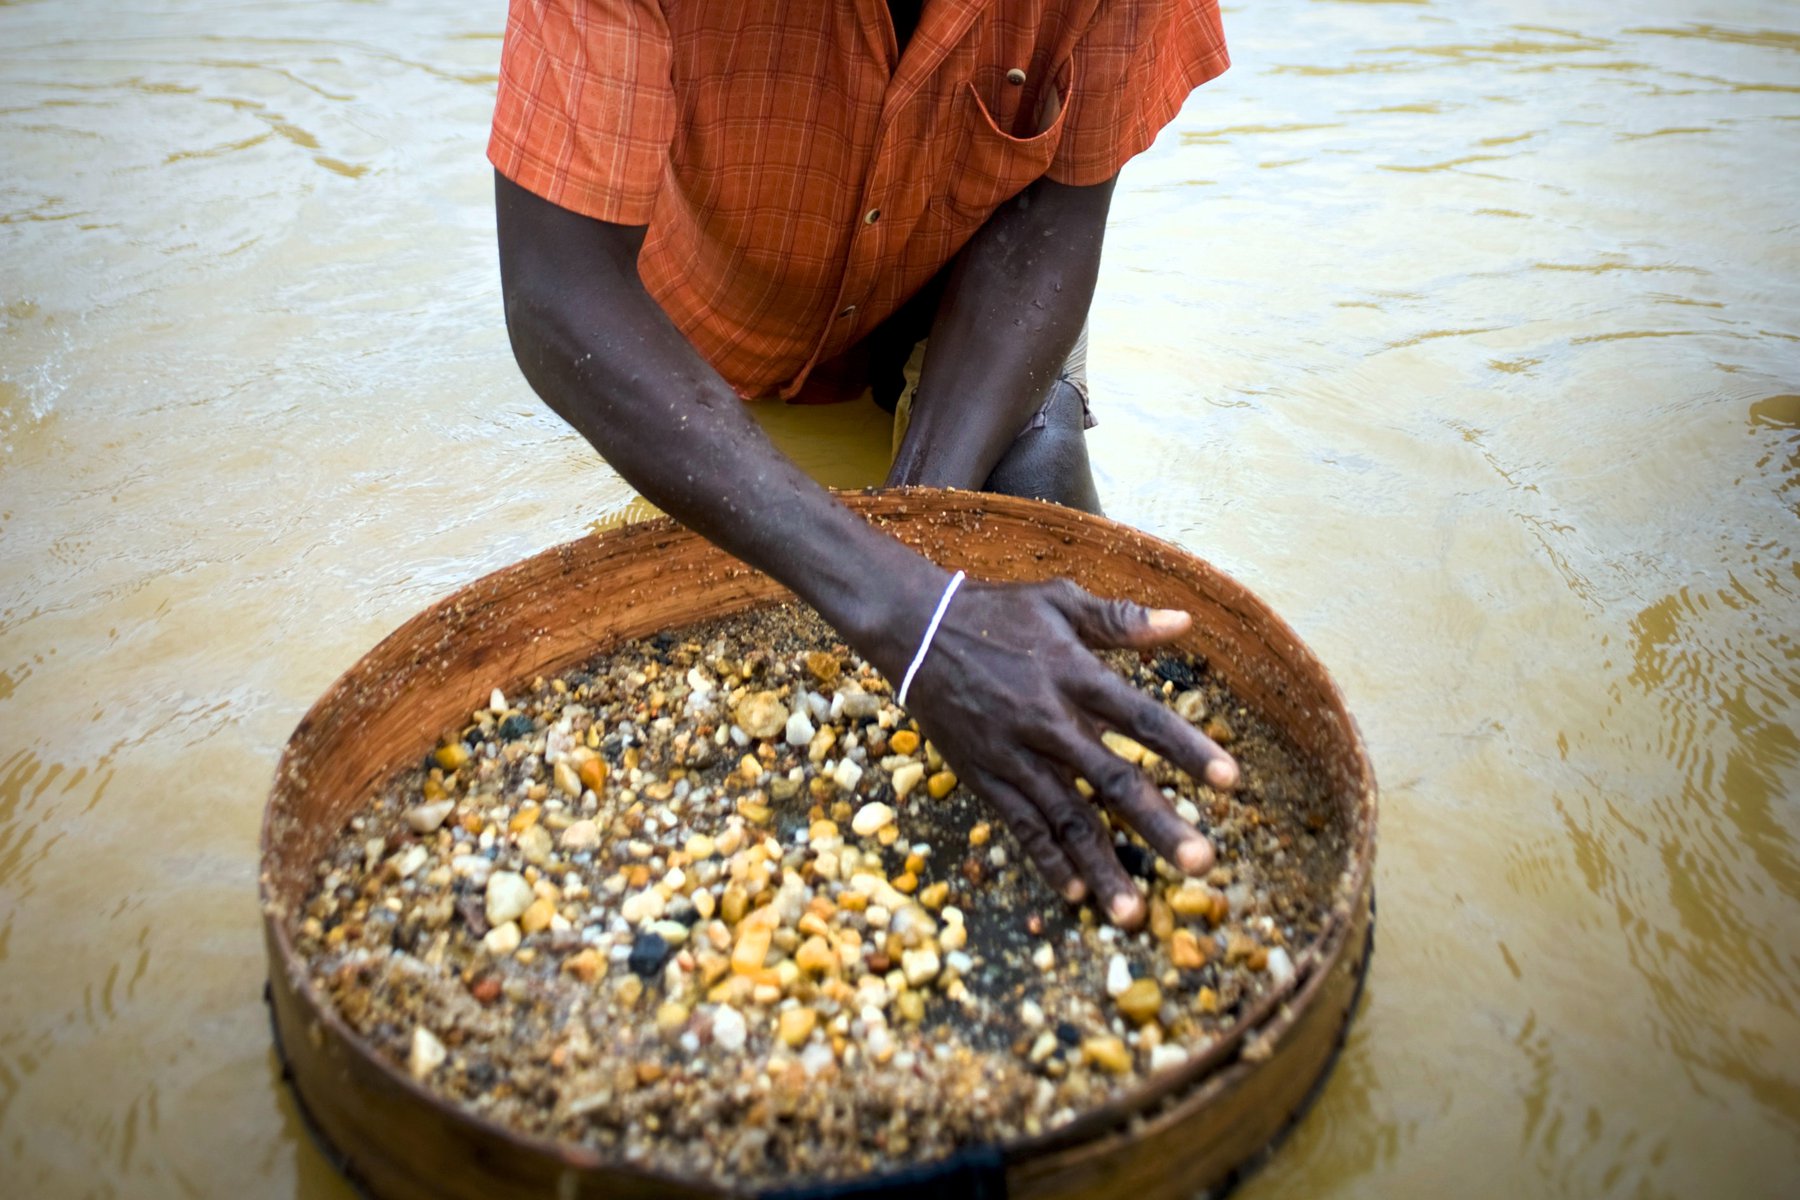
1013, 699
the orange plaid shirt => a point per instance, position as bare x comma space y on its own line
799, 176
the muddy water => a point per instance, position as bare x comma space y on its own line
1466, 334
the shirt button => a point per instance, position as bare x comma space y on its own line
872, 216
1015, 77
849, 311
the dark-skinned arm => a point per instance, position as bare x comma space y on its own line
1011, 312
1008, 693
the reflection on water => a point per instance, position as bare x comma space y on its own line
1463, 333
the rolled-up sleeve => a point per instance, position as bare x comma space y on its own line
585, 111
1134, 68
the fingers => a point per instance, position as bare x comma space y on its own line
1139, 803
1133, 713
1117, 624
1084, 838
1022, 816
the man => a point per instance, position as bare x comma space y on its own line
706, 201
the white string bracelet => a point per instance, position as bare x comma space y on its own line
930, 632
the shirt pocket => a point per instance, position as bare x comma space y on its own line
990, 164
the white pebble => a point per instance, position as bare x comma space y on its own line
848, 775
1043, 958
919, 966
728, 1028
1281, 967
642, 907
508, 896
427, 1055
870, 819
497, 702
907, 777
1031, 1014
410, 860
1164, 1056
427, 817
1118, 975
799, 729
959, 961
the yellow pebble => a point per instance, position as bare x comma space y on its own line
935, 895
524, 819
912, 1006
1107, 1053
568, 782
979, 835
593, 773
452, 757
751, 949
941, 784
1140, 1001
1207, 1001
704, 904
795, 1025
1186, 951
906, 882
434, 790
671, 1018
536, 918
915, 863
887, 835
904, 742
1190, 900
734, 904
816, 955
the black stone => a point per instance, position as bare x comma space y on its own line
1067, 1034
1179, 672
515, 727
648, 954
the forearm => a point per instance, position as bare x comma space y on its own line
1014, 306
602, 353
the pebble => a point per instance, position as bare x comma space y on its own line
1118, 975
497, 702
537, 917
1186, 951
796, 1024
427, 1053
536, 844
848, 774
580, 835
919, 966
800, 730
870, 819
508, 896
762, 715
905, 741
1031, 1014
1141, 1001
1107, 1053
941, 784
1165, 1055
452, 757
906, 778
502, 940
409, 860
1280, 967
1191, 707
427, 817
728, 1028
1044, 957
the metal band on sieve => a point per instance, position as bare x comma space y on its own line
930, 632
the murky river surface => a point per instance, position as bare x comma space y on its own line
1467, 334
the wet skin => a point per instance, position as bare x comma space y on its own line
1010, 692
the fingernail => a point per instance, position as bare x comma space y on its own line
1194, 856
1222, 773
1075, 890
1125, 909
1167, 622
